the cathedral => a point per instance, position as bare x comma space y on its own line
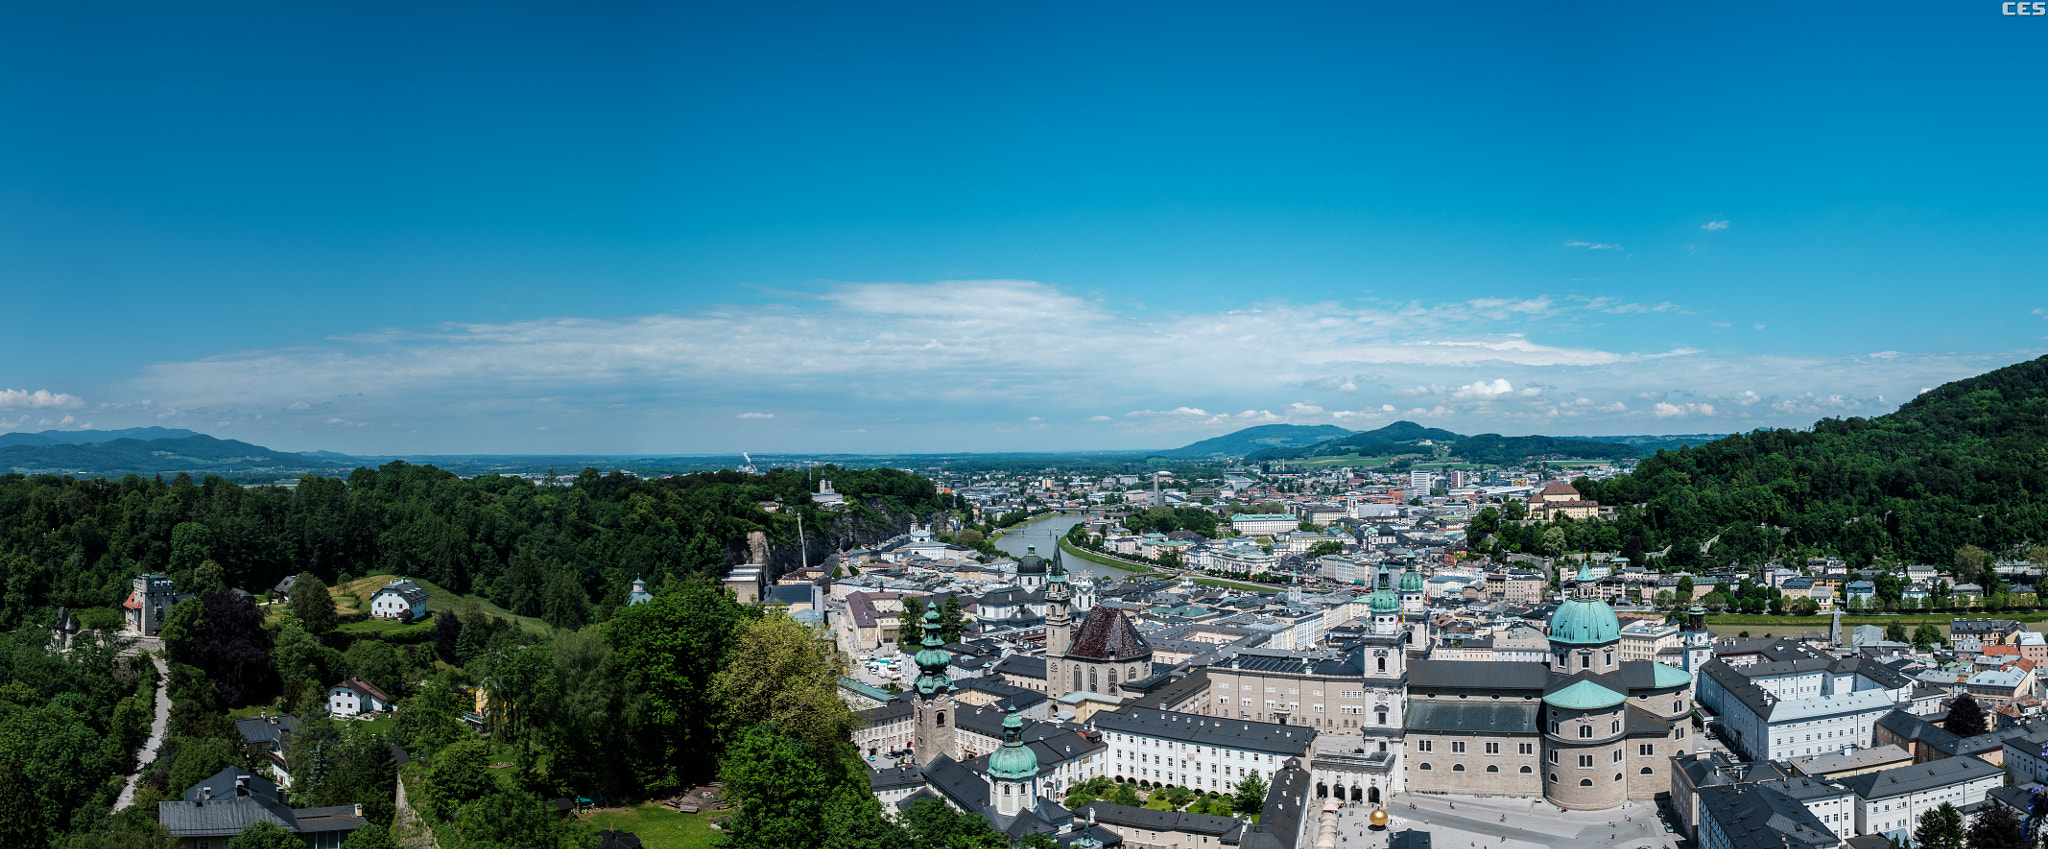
1099, 657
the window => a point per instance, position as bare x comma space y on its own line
1617, 776
1646, 749
1457, 767
1457, 747
1422, 745
1425, 767
1646, 770
1615, 730
1678, 706
1528, 748
1585, 782
1585, 731
1383, 664
942, 719
1492, 768
1493, 748
1617, 756
1553, 756
1077, 678
1526, 770
1585, 761
1586, 660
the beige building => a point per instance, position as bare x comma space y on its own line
1643, 639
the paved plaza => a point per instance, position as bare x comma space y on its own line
1472, 822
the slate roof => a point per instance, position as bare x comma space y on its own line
1484, 717
1111, 814
411, 592
227, 812
1885, 784
267, 729
1761, 818
1022, 666
1107, 635
1482, 675
1291, 740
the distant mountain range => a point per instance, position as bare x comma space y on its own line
1287, 442
152, 450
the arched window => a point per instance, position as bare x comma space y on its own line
1526, 770
942, 719
1617, 776
1646, 770
1457, 767
1092, 680
1077, 678
1425, 767
1112, 679
1585, 731
1585, 782
1492, 768
1383, 664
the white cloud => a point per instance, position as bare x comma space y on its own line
1099, 418
1485, 390
1592, 246
1666, 410
40, 399
1717, 225
755, 416
1759, 325
299, 405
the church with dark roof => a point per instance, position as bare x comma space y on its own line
1105, 652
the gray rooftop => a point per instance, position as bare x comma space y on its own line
1919, 777
1289, 740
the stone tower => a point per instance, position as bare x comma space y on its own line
1059, 622
935, 709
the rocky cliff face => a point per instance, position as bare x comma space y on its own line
845, 530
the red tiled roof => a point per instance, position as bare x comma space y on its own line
132, 603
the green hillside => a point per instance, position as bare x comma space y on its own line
1240, 443
1365, 442
196, 454
1963, 464
1498, 449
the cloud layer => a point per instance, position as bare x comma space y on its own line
943, 365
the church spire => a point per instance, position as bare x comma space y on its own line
933, 659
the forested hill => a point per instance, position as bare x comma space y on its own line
1239, 443
1397, 433
1963, 464
552, 551
153, 454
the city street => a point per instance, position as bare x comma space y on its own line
1507, 824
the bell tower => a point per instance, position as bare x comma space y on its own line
935, 709
1059, 626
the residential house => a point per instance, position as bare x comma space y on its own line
355, 696
212, 812
399, 600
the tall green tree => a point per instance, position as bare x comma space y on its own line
1251, 795
910, 623
952, 618
1966, 717
312, 604
1941, 827
264, 834
785, 676
667, 651
1996, 827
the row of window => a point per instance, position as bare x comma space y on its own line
1458, 747
1461, 768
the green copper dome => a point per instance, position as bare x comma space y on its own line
1669, 676
1013, 761
1411, 580
1584, 695
1383, 599
1584, 622
933, 659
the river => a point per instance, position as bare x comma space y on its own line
1045, 532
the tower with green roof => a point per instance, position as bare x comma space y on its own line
1584, 632
1411, 590
933, 694
1013, 768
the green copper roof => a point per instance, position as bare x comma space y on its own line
933, 659
1584, 622
1586, 572
1584, 695
1383, 599
1013, 761
1411, 580
1669, 676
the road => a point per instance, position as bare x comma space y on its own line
158, 727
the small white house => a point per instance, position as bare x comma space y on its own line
354, 696
398, 598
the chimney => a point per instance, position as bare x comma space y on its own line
241, 785
205, 795
359, 810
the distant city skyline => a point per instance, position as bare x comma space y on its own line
654, 229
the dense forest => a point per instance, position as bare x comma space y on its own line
1963, 465
524, 545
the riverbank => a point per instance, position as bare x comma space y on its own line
1144, 568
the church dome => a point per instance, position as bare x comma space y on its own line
1585, 620
1384, 601
1013, 761
1411, 581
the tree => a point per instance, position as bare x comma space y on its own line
910, 623
379, 663
372, 836
1895, 632
1966, 717
931, 822
229, 644
970, 538
1926, 637
1970, 560
1685, 589
1554, 541
1940, 828
1996, 827
951, 618
667, 652
21, 820
264, 834
1325, 548
208, 578
312, 604
299, 655
784, 676
1122, 794
461, 773
1251, 794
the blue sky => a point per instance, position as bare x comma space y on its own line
715, 227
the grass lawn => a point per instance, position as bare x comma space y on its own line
656, 826
439, 601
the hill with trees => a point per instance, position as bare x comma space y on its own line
1961, 468
1252, 439
1362, 442
193, 452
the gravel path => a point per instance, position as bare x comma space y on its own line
158, 727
